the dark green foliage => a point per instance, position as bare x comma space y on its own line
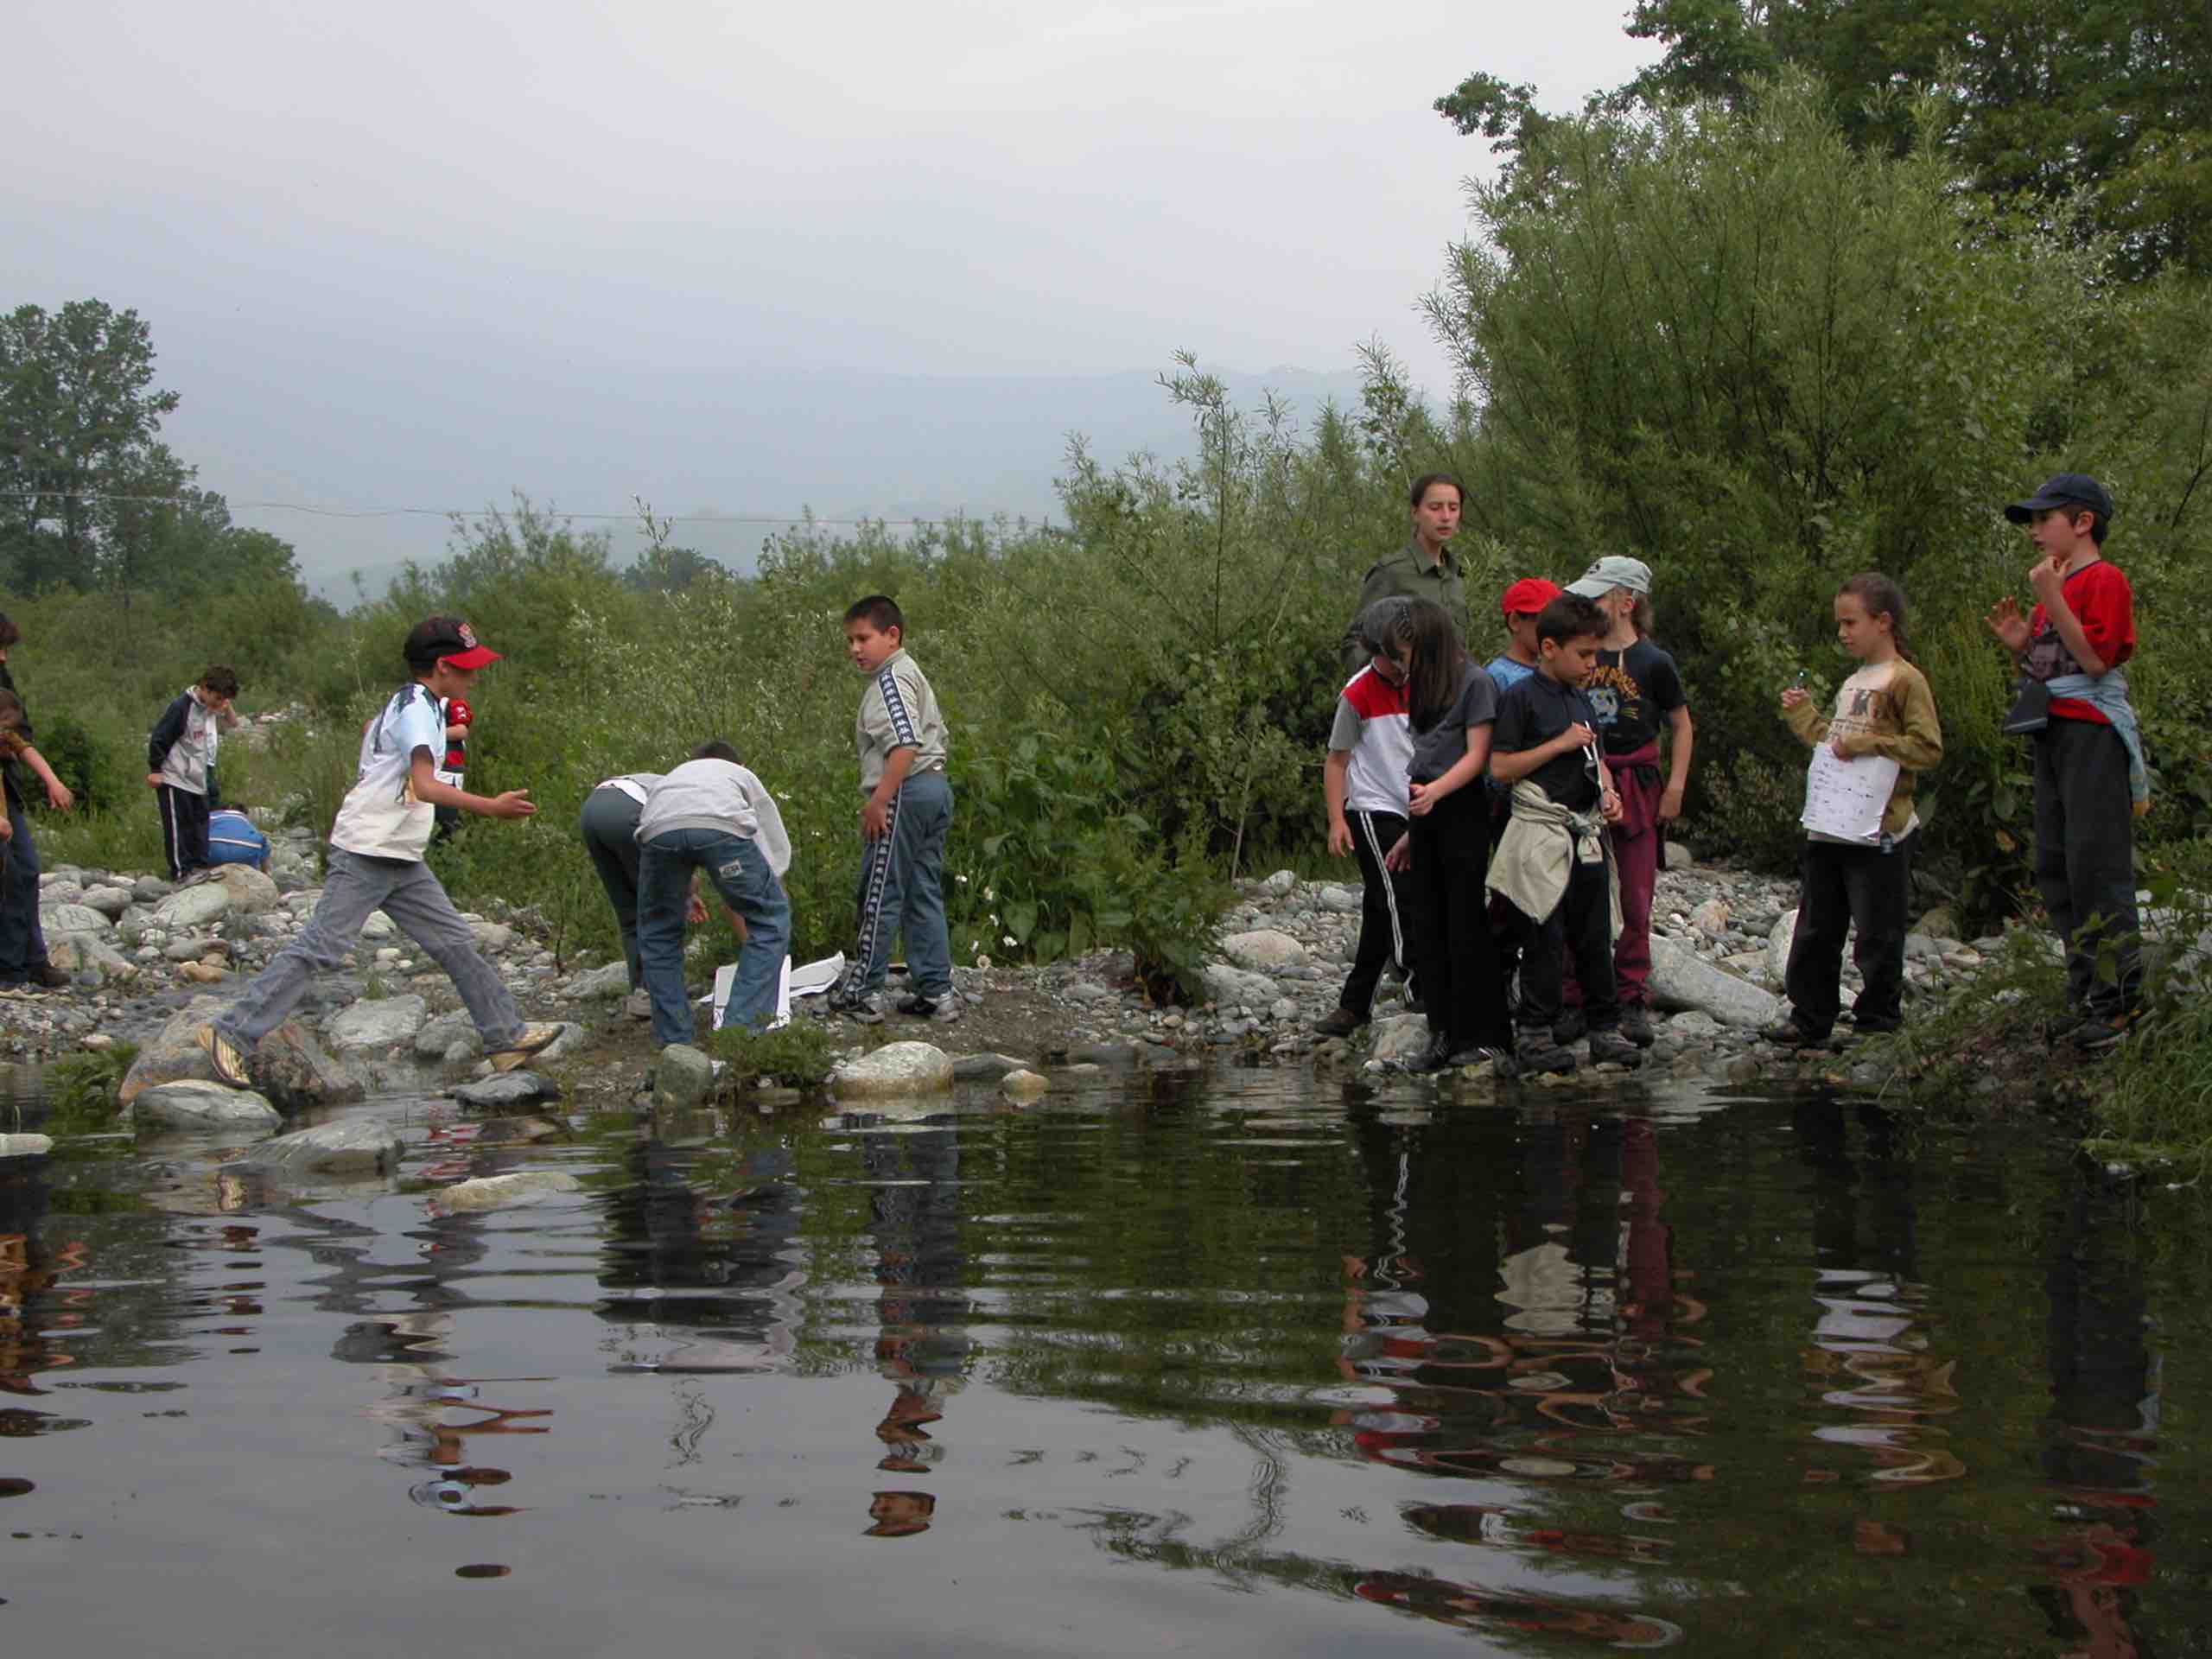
799, 1056
81, 1088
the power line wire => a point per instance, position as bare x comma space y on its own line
481, 512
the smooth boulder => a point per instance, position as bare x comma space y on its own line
73, 919
506, 1192
25, 1145
505, 1089
350, 1147
1022, 1084
251, 893
1264, 950
380, 1023
110, 901
684, 1077
294, 1072
202, 905
1233, 986
1682, 979
895, 1069
196, 1105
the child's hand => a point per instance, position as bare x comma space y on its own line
1339, 838
1578, 736
1792, 695
875, 821
58, 796
1670, 806
153, 780
7, 827
2005, 621
1844, 746
1400, 855
694, 913
1422, 799
514, 803
2048, 578
1609, 807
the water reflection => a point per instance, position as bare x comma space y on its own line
912, 1173
1570, 1371
1871, 1354
2099, 1446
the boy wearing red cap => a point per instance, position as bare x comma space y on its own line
1522, 603
459, 718
376, 863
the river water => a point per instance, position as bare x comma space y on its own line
1234, 1362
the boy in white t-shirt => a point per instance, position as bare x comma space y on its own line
1370, 746
376, 863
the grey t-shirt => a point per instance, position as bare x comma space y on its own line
1443, 746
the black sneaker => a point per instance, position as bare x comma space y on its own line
1790, 1034
2061, 1026
1433, 1058
1611, 1047
1635, 1024
1339, 1022
1568, 1030
1473, 1054
2098, 1033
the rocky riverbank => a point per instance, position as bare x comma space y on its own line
140, 951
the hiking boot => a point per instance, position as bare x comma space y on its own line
1339, 1022
48, 974
2098, 1033
941, 1010
639, 1005
1790, 1034
1538, 1051
1611, 1047
1568, 1030
531, 1039
1635, 1024
225, 1057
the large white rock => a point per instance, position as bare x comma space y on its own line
1682, 979
378, 1024
110, 901
438, 1035
200, 906
195, 1105
1400, 1036
353, 1146
71, 918
1783, 934
506, 1191
1022, 1084
1264, 950
25, 1145
1711, 918
894, 1069
378, 928
1231, 986
251, 893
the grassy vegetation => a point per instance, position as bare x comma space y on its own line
799, 1056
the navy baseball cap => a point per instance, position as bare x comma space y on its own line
2062, 490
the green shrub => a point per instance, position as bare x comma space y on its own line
797, 1056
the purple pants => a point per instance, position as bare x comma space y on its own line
1636, 857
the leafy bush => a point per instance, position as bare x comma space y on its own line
799, 1056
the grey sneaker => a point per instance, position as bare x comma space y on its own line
864, 1006
639, 1005
941, 1011
1635, 1024
1535, 1052
1611, 1047
1568, 1029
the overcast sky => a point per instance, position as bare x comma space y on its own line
392, 255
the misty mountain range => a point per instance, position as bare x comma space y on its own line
703, 447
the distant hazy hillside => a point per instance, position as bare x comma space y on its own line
841, 442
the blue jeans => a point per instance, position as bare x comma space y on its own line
23, 942
748, 885
901, 891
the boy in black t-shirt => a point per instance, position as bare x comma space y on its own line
1553, 863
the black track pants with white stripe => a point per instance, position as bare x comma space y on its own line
1384, 918
184, 829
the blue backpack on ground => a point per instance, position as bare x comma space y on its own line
231, 838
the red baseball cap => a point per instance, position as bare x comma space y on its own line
1528, 596
437, 640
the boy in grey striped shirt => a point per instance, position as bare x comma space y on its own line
905, 815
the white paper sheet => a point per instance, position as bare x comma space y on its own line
810, 981
1846, 799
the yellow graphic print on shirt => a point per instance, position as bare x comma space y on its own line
1865, 704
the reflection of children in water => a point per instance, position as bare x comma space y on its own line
1869, 1348
2100, 1442
922, 1310
897, 1515
1473, 1608
29, 1307
1571, 1332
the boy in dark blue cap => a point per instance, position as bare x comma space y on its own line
2088, 771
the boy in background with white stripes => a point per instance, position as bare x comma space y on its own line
1371, 748
180, 767
905, 818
